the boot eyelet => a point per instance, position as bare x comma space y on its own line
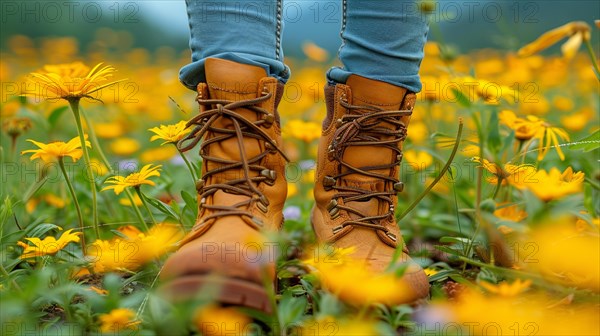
333, 210
199, 185
258, 221
262, 207
337, 229
391, 236
270, 148
330, 153
398, 186
339, 123
328, 182
202, 202
269, 120
399, 157
270, 175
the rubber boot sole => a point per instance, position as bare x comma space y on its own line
229, 291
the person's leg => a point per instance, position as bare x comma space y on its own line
247, 32
382, 40
371, 100
239, 76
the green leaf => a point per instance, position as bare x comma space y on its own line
494, 132
291, 308
163, 207
586, 144
56, 114
461, 99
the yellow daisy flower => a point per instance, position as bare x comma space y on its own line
57, 150
169, 133
226, 318
70, 81
533, 127
554, 184
47, 246
506, 289
133, 180
515, 175
577, 32
118, 320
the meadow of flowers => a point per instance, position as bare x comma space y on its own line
501, 205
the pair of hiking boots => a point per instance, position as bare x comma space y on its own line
243, 187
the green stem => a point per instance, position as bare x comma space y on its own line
74, 103
144, 202
187, 163
7, 276
440, 175
95, 142
96, 145
590, 51
137, 211
498, 184
61, 164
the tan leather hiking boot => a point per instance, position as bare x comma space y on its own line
357, 174
242, 190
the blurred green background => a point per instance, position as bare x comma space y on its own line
465, 24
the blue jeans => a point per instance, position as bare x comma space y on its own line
381, 39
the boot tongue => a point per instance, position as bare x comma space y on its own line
372, 92
232, 81
388, 97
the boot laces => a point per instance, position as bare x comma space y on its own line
242, 129
366, 128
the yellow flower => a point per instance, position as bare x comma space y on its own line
577, 121
352, 282
535, 128
57, 150
314, 52
515, 175
563, 103
490, 92
47, 246
16, 126
418, 160
137, 201
510, 212
158, 154
418, 132
329, 325
506, 289
552, 185
124, 146
134, 250
525, 129
565, 255
476, 314
109, 130
170, 133
54, 201
303, 130
118, 320
214, 320
70, 81
430, 272
292, 189
133, 180
98, 290
577, 32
